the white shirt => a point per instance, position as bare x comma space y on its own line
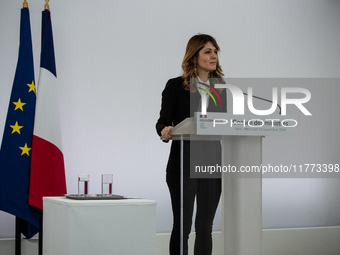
204, 95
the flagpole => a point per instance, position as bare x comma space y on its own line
40, 249
25, 4
47, 7
17, 236
41, 234
17, 219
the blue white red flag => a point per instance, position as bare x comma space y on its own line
47, 164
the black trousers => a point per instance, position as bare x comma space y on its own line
207, 193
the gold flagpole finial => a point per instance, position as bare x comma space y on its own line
25, 4
47, 7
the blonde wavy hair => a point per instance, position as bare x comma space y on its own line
195, 44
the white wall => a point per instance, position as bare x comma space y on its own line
114, 58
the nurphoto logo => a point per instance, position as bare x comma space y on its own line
238, 100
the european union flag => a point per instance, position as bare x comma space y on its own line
15, 153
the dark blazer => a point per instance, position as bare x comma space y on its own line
177, 105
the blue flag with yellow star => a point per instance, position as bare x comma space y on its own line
15, 152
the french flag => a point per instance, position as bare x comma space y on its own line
47, 160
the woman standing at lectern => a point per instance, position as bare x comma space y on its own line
182, 97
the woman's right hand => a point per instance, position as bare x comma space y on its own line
166, 133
